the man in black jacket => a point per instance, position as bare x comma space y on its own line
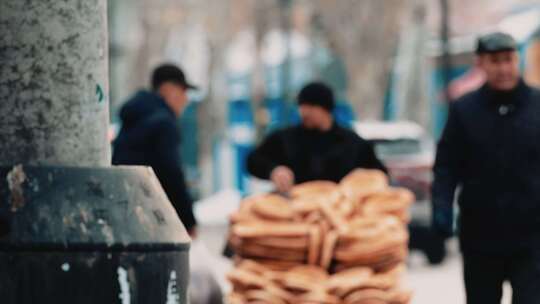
490, 150
317, 149
150, 136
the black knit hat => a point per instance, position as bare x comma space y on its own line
317, 94
170, 73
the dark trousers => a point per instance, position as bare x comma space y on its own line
484, 277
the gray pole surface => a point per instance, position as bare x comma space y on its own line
54, 83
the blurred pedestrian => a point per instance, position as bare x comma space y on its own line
490, 150
316, 149
150, 136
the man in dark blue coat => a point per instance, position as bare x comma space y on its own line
316, 149
150, 136
490, 152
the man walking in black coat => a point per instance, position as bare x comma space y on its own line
317, 149
490, 150
150, 136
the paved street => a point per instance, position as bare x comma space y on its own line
441, 284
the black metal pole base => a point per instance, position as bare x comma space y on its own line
89, 235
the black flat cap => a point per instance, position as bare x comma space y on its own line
495, 42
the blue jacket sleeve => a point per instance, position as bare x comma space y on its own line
167, 166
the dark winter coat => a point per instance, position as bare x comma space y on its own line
313, 155
490, 149
150, 137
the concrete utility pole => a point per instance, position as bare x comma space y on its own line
54, 83
72, 228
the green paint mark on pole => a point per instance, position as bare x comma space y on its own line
99, 93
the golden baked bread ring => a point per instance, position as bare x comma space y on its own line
363, 250
324, 228
278, 265
313, 188
292, 243
357, 246
327, 253
400, 296
333, 217
248, 202
394, 201
305, 205
388, 265
299, 284
342, 282
366, 229
313, 217
367, 253
239, 217
280, 292
263, 296
284, 245
346, 208
392, 198
368, 236
252, 266
371, 296
255, 251
373, 222
383, 229
314, 245
247, 280
273, 207
395, 272
247, 230
362, 182
313, 272
378, 263
235, 298
318, 297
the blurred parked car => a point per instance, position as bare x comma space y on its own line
408, 153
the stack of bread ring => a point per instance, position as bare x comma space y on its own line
307, 284
323, 242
